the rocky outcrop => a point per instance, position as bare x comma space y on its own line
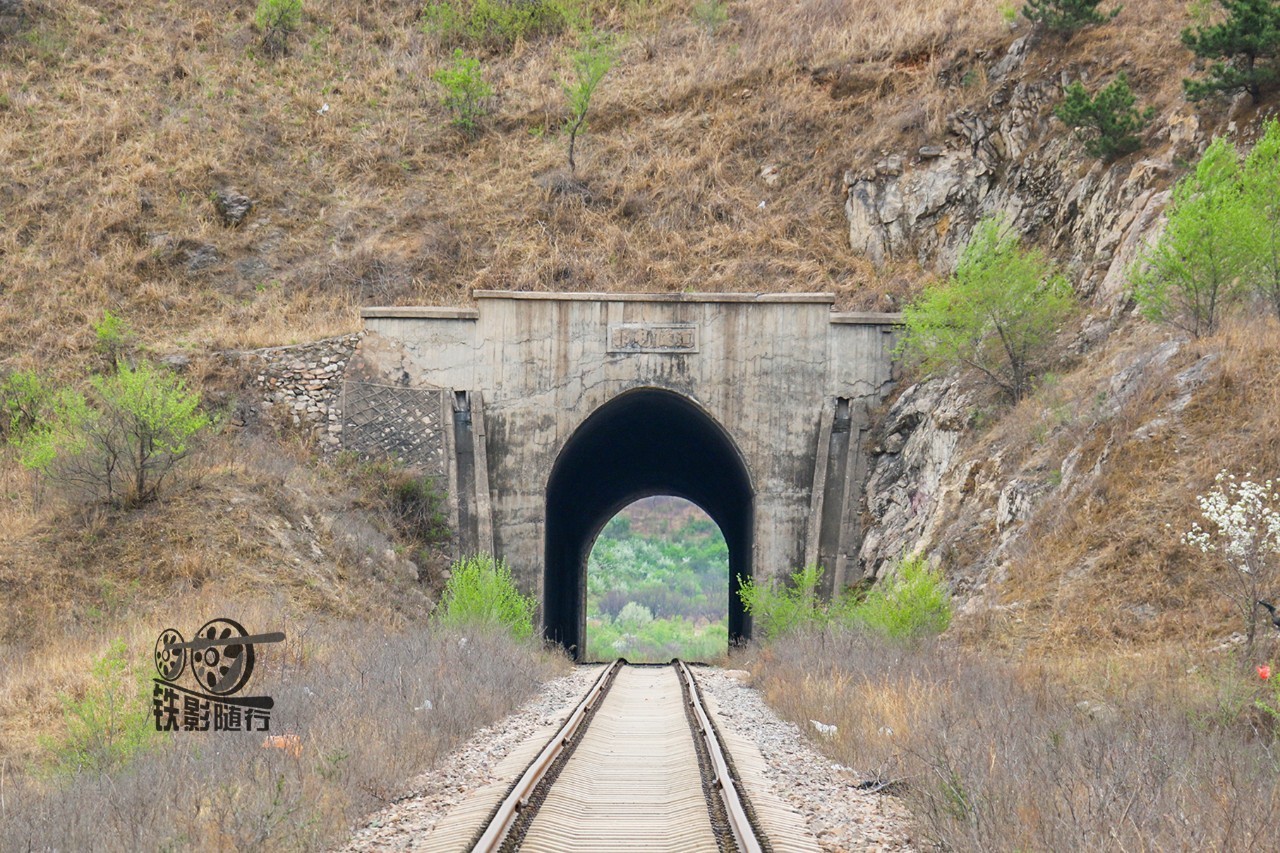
969, 500
1012, 158
929, 489
232, 206
917, 447
192, 255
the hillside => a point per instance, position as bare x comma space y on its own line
119, 121
735, 145
719, 151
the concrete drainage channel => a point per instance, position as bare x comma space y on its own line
637, 765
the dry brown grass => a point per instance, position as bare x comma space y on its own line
118, 119
18, 515
252, 517
1144, 41
260, 531
351, 698
992, 755
1100, 565
122, 118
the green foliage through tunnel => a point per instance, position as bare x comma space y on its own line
658, 585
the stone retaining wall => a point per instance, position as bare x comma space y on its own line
305, 379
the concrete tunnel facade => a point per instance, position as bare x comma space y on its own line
546, 413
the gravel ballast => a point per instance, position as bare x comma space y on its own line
842, 817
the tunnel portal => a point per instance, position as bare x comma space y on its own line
543, 414
644, 442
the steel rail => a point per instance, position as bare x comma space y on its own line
743, 832
509, 809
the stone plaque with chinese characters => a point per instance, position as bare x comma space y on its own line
674, 338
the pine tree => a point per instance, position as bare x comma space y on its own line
1250, 33
1111, 113
1066, 16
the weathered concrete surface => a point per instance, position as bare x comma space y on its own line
764, 368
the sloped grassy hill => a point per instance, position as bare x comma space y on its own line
715, 160
118, 120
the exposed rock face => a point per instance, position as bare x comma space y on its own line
891, 215
927, 490
1013, 159
193, 255
917, 448
930, 491
1014, 504
177, 362
232, 206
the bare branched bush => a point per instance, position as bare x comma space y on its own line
277, 19
412, 507
369, 712
997, 757
122, 443
371, 278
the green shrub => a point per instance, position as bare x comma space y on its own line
996, 315
111, 722
657, 641
1066, 16
590, 62
710, 14
633, 616
465, 91
481, 593
912, 602
419, 508
24, 399
1261, 175
1221, 242
1204, 254
776, 612
1111, 116
112, 338
277, 19
119, 443
496, 24
1250, 33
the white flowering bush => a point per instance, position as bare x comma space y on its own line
1243, 526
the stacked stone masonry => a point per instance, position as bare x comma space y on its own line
306, 381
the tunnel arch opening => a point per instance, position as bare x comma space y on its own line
645, 442
658, 585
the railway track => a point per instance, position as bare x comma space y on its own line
638, 765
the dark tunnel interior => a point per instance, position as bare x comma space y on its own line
644, 442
